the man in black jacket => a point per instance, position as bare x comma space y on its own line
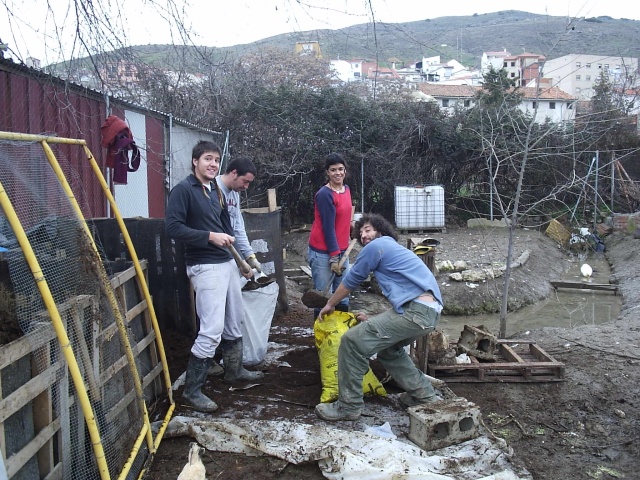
198, 216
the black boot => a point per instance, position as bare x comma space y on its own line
195, 377
232, 360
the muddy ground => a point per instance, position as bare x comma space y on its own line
583, 427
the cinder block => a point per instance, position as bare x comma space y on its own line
440, 424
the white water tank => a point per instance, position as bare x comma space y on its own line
419, 207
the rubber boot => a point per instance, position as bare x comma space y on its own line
232, 360
215, 369
195, 377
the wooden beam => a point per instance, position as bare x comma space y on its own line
273, 204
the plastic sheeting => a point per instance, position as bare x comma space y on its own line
343, 454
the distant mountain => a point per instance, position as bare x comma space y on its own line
466, 38
461, 38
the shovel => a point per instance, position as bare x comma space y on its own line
318, 299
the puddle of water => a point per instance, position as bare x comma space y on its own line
565, 308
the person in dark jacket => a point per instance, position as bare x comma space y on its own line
197, 215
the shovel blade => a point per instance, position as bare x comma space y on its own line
314, 299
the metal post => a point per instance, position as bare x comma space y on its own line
613, 177
595, 199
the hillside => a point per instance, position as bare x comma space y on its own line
463, 38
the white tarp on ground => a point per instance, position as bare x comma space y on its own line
343, 454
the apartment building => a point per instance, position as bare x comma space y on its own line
576, 74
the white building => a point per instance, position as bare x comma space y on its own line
347, 70
551, 103
576, 74
493, 59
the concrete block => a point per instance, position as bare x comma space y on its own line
444, 423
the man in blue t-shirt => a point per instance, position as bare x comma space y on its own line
415, 296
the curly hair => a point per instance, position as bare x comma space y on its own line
379, 223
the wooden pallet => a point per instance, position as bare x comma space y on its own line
520, 361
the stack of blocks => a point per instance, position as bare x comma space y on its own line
443, 423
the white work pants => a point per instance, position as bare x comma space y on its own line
218, 305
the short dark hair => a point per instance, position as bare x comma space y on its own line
334, 159
242, 166
201, 147
381, 224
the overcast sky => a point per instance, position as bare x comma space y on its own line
46, 33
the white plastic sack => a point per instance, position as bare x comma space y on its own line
259, 306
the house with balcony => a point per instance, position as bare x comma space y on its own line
551, 102
523, 68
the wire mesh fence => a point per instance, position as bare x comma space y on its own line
76, 387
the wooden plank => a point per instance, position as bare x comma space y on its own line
56, 473
529, 363
18, 460
271, 200
510, 354
17, 349
136, 310
43, 413
27, 392
87, 362
586, 286
123, 277
305, 269
115, 411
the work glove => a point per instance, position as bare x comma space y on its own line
254, 263
334, 263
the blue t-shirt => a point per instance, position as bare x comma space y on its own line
401, 274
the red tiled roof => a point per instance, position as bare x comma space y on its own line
466, 91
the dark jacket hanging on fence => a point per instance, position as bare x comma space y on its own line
118, 140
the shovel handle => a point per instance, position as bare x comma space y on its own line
241, 262
344, 258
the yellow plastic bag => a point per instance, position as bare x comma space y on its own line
328, 333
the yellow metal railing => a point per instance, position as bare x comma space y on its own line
63, 339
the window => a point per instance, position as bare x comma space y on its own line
606, 66
588, 65
505, 65
445, 102
578, 64
578, 77
617, 67
513, 75
552, 105
467, 103
535, 105
570, 106
513, 64
587, 77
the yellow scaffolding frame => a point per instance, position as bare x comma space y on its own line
63, 339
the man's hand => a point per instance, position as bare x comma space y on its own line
254, 263
221, 239
247, 275
334, 263
326, 310
361, 317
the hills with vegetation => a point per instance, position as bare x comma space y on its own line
462, 38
